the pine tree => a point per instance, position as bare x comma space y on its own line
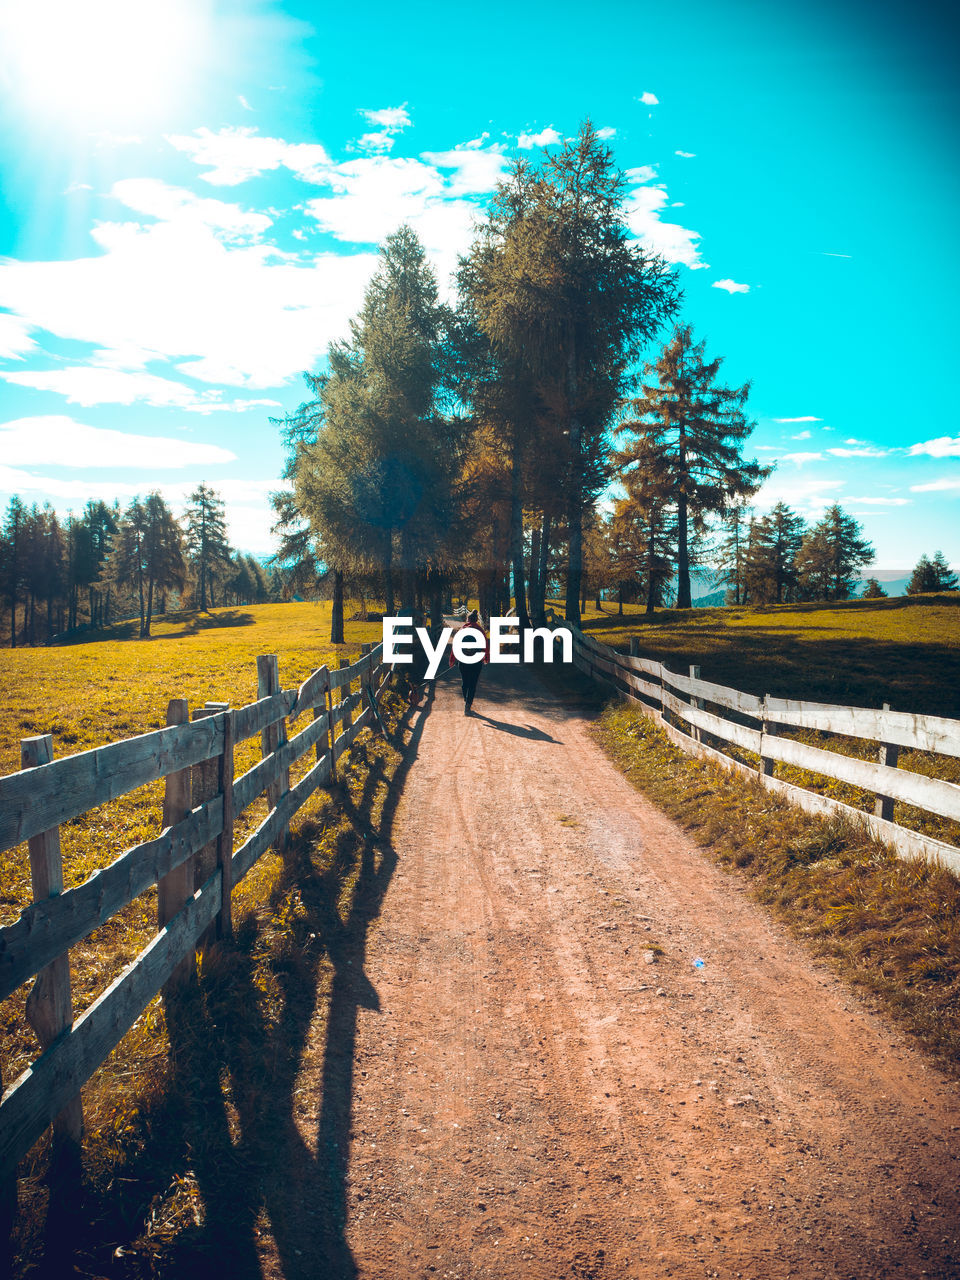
873, 590
770, 571
14, 562
374, 457
831, 556
946, 579
559, 286
697, 429
931, 575
206, 539
733, 549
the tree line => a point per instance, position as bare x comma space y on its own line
507, 445
108, 563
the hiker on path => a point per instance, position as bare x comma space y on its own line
470, 671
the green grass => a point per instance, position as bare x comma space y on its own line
890, 927
859, 653
102, 690
905, 651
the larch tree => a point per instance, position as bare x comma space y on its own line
770, 574
559, 286
374, 456
831, 556
697, 429
207, 547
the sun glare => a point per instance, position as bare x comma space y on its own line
100, 62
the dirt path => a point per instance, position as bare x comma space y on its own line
516, 1092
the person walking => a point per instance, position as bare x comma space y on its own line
470, 671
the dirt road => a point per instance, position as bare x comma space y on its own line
511, 1089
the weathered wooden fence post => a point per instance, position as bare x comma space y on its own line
206, 785
634, 646
49, 1004
176, 886
768, 729
695, 702
889, 753
344, 695
273, 737
216, 779
321, 708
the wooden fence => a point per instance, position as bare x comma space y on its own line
680, 705
192, 862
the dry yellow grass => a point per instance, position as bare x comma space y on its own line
88, 694
155, 1114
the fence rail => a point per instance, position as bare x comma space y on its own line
678, 701
192, 861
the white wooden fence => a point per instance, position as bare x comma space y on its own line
669, 697
192, 862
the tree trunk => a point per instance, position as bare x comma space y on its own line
146, 630
575, 496
540, 609
389, 606
336, 616
683, 555
436, 600
140, 586
516, 532
620, 601
408, 585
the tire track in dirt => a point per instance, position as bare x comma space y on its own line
534, 1099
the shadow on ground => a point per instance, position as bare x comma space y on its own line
223, 1136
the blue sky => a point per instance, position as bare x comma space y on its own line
192, 195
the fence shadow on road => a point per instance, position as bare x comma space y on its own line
245, 1170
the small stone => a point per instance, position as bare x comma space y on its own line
660, 991
649, 957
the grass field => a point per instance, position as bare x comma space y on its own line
102, 690
905, 651
863, 653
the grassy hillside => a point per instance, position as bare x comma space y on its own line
861, 652
98, 691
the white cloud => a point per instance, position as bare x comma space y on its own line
642, 212
93, 384
825, 254
476, 169
858, 453
168, 204
374, 195
941, 447
882, 502
805, 419
809, 496
801, 435
249, 514
391, 118
649, 99
643, 173
801, 458
686, 155
15, 340
545, 138
375, 142
185, 288
236, 154
731, 286
56, 440
606, 133
243, 102
948, 484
